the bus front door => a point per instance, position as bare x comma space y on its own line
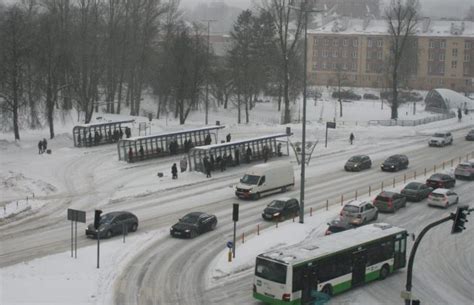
359, 261
308, 284
399, 254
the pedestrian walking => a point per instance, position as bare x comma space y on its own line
208, 140
265, 153
459, 114
45, 145
130, 155
248, 154
174, 171
40, 147
222, 162
351, 138
227, 137
279, 150
207, 167
183, 164
236, 154
142, 152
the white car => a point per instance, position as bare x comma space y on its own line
442, 198
358, 212
441, 139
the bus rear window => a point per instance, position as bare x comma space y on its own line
271, 271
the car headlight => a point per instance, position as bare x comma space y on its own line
171, 229
187, 231
276, 214
355, 165
392, 166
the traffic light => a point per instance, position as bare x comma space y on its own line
460, 219
235, 212
97, 219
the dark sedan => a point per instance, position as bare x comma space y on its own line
338, 225
395, 163
357, 163
441, 181
281, 209
114, 223
470, 135
416, 191
389, 201
194, 224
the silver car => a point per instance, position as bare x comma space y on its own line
359, 212
465, 170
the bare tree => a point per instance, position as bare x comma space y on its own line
289, 25
340, 79
402, 18
470, 14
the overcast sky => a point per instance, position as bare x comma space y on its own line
434, 8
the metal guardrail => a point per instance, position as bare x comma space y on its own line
440, 117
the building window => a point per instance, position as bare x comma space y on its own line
440, 81
370, 43
334, 67
334, 53
467, 82
441, 57
455, 52
325, 53
344, 42
466, 69
344, 66
467, 45
324, 65
335, 42
379, 54
367, 67
467, 57
441, 69
430, 69
454, 64
354, 66
354, 54
442, 44
344, 53
432, 44
355, 43
369, 55
379, 43
326, 42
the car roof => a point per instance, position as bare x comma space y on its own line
116, 213
439, 175
356, 203
358, 156
469, 163
414, 183
283, 199
387, 194
440, 191
197, 214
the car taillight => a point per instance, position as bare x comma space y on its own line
327, 232
286, 297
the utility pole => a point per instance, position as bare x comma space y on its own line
207, 67
304, 9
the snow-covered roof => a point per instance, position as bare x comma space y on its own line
207, 147
323, 246
103, 123
174, 133
426, 27
453, 99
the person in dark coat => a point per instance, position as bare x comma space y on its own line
236, 154
120, 133
208, 140
45, 145
248, 154
227, 138
142, 152
212, 162
174, 171
207, 167
279, 150
351, 138
222, 162
130, 155
265, 153
79, 139
40, 147
459, 114
128, 132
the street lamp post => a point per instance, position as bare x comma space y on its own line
304, 9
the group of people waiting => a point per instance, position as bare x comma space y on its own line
42, 146
97, 137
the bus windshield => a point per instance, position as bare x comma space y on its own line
250, 179
271, 271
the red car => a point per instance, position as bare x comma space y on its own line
441, 181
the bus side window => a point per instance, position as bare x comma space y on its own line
297, 278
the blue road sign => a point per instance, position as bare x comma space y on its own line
230, 244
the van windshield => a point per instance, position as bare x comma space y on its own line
250, 179
439, 135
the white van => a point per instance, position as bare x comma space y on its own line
264, 179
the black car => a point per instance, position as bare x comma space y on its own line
346, 95
389, 201
416, 191
370, 96
338, 225
281, 209
113, 223
441, 181
194, 224
395, 163
357, 163
470, 135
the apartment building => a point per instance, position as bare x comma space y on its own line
357, 50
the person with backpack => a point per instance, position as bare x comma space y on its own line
40, 147
174, 171
351, 138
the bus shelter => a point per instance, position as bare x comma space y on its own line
238, 152
86, 135
165, 144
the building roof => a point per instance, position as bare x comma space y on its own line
368, 26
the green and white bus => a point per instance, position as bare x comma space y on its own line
331, 264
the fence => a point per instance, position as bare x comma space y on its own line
439, 117
369, 190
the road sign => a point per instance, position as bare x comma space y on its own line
76, 215
230, 244
330, 125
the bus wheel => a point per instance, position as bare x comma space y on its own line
327, 290
383, 272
